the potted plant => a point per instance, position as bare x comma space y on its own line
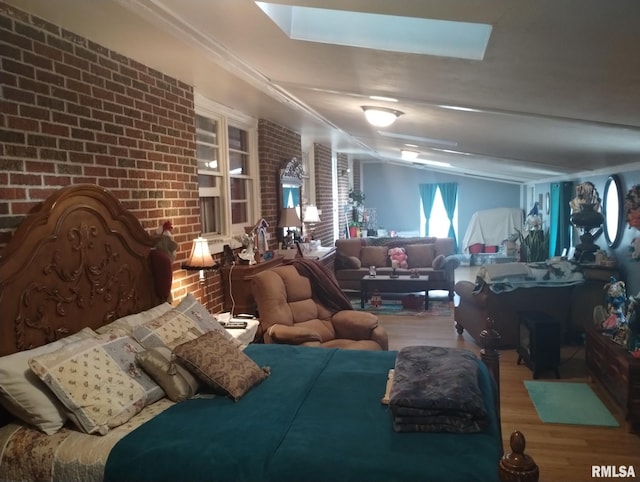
356, 200
354, 228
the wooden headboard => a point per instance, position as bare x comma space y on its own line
80, 260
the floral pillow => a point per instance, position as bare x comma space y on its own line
98, 381
220, 364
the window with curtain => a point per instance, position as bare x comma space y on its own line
435, 219
227, 171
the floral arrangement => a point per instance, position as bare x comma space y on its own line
632, 207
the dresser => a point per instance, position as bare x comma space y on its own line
236, 282
617, 371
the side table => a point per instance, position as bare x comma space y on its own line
246, 335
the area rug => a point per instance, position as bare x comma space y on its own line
394, 307
568, 403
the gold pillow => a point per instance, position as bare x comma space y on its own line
220, 364
177, 382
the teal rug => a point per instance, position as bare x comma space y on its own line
568, 403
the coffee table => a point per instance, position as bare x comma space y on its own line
388, 284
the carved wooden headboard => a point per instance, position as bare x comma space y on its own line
80, 260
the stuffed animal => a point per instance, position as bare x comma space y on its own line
398, 257
616, 304
165, 241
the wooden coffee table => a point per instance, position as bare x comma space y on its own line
388, 284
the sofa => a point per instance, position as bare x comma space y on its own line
430, 256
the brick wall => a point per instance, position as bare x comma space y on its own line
277, 145
74, 112
324, 194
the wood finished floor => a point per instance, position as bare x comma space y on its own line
563, 452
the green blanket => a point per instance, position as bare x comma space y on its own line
318, 417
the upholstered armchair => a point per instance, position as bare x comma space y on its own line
305, 310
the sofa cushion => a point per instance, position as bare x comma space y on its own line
420, 255
373, 256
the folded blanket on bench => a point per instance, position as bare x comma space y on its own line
436, 389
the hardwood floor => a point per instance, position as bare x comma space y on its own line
563, 452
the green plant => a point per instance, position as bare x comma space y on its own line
534, 246
356, 198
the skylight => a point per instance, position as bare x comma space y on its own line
381, 32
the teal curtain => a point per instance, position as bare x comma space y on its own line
427, 194
559, 214
449, 193
292, 193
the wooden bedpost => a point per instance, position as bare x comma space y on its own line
516, 466
489, 341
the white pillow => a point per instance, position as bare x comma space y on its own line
98, 381
25, 396
129, 322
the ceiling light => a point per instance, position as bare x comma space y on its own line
380, 116
408, 154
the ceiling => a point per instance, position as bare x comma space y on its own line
557, 94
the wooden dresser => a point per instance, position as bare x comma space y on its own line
617, 371
236, 281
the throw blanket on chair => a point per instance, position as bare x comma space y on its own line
436, 389
324, 285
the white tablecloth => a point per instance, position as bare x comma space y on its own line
492, 226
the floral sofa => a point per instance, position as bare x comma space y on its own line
430, 256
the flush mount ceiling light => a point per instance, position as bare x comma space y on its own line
380, 116
409, 154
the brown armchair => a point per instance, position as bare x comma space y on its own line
291, 311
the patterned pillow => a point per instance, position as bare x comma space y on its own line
193, 309
220, 364
177, 382
98, 381
24, 395
129, 322
187, 321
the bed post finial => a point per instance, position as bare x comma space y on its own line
516, 466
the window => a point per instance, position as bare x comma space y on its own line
227, 170
438, 221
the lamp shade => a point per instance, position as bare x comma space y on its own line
200, 257
288, 217
311, 214
380, 116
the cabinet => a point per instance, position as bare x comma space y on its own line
236, 282
617, 371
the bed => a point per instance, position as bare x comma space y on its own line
82, 262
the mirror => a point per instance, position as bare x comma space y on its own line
613, 211
290, 194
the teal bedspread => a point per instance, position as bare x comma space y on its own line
318, 417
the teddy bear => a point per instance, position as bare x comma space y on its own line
398, 257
